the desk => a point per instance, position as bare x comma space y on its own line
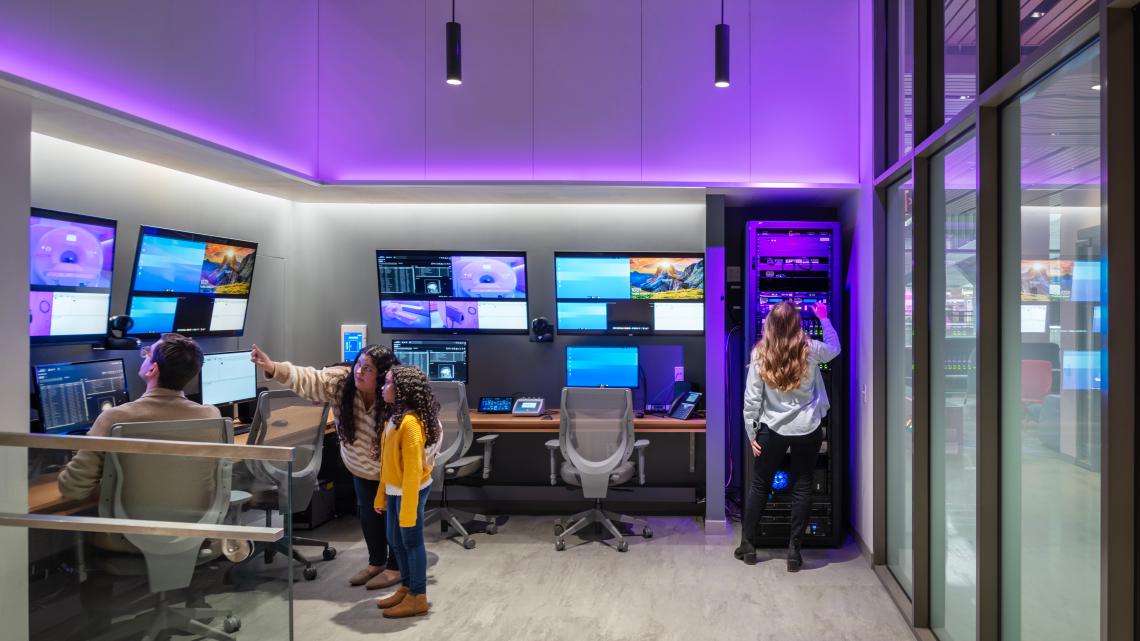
508, 423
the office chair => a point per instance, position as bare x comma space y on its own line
596, 439
452, 462
167, 488
284, 419
1036, 383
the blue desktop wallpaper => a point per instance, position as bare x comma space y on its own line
592, 277
582, 316
152, 315
169, 265
595, 366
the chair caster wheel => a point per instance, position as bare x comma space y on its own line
622, 546
310, 574
231, 624
469, 544
560, 545
492, 528
647, 533
329, 554
558, 529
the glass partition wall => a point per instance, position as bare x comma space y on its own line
1006, 487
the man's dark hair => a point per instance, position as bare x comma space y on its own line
179, 360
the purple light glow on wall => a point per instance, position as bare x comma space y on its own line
600, 90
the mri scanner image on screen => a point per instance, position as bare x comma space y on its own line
71, 258
452, 292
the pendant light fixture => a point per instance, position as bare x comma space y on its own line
721, 51
454, 60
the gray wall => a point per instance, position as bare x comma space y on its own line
334, 275
73, 178
15, 127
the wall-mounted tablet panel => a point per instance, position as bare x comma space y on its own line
71, 258
630, 293
193, 284
452, 292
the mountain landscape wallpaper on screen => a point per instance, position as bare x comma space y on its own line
667, 278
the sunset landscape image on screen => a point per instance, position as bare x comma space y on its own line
227, 269
663, 278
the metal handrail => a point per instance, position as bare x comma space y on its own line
135, 526
146, 446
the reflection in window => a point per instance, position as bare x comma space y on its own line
906, 76
900, 373
1052, 357
1043, 20
960, 54
954, 392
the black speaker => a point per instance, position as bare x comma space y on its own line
541, 331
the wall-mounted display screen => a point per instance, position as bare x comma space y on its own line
72, 395
589, 366
630, 293
452, 292
189, 283
71, 258
442, 360
1034, 319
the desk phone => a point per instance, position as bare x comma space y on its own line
685, 405
495, 404
529, 407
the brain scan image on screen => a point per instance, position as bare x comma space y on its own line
488, 276
70, 254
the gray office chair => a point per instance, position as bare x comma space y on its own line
284, 419
453, 462
167, 488
596, 439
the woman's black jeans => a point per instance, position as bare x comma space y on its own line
805, 450
374, 526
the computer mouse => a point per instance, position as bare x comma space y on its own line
639, 414
548, 418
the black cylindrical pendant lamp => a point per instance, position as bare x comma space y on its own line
454, 61
721, 55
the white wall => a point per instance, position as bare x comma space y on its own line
334, 274
78, 179
15, 125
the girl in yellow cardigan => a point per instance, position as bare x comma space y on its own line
405, 479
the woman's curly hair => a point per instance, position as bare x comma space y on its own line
413, 396
782, 351
382, 359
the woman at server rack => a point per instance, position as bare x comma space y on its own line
784, 402
356, 400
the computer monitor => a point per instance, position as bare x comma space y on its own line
452, 292
71, 259
190, 283
1034, 319
441, 360
630, 293
228, 377
601, 366
72, 395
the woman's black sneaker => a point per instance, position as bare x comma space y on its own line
795, 561
745, 552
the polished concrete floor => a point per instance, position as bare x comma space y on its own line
680, 584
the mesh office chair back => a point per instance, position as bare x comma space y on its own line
284, 419
168, 488
455, 416
596, 433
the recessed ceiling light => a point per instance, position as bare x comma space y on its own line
963, 97
1037, 14
1095, 87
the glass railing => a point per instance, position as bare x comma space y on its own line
169, 531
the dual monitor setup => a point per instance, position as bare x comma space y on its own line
183, 282
72, 395
596, 293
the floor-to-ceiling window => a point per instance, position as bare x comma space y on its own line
959, 55
953, 391
1053, 356
900, 378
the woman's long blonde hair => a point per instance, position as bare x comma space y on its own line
782, 351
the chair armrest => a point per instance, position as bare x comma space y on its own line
552, 447
640, 445
488, 442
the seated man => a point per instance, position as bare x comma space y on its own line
168, 366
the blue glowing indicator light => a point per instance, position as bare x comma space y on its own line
780, 481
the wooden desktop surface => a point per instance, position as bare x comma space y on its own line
44, 496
